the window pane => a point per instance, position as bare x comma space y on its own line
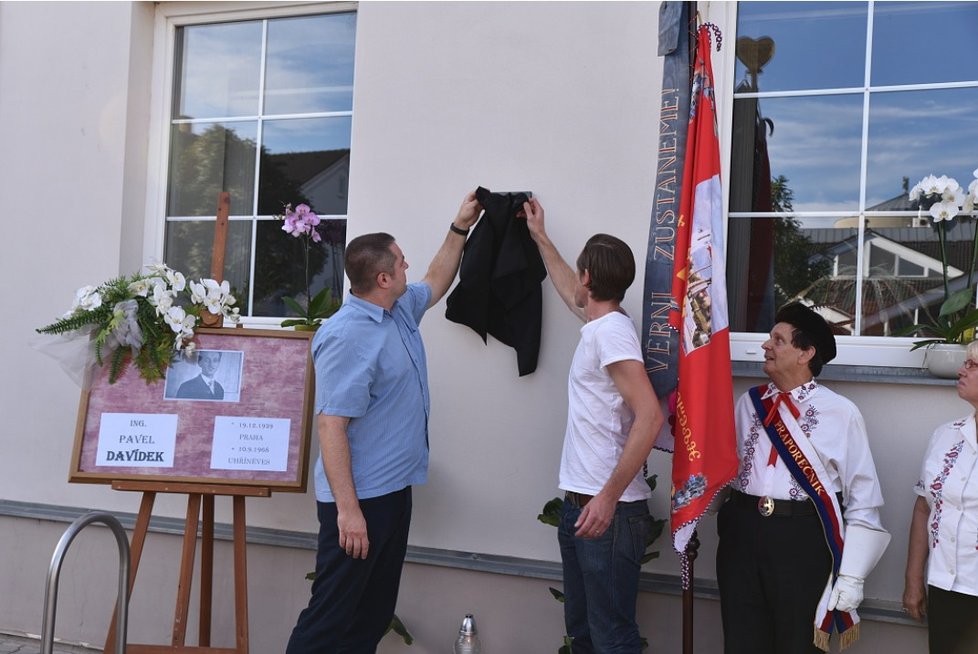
308, 161
924, 42
310, 64
915, 294
778, 259
279, 266
801, 45
812, 142
217, 70
189, 249
207, 158
918, 133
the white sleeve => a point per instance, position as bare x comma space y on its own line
861, 494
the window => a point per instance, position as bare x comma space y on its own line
260, 108
839, 107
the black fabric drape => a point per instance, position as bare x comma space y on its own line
499, 292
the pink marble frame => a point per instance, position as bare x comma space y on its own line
276, 382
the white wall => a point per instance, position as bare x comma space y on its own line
560, 99
65, 95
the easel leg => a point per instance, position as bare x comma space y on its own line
206, 572
186, 571
135, 552
240, 577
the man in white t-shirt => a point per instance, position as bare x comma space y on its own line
613, 418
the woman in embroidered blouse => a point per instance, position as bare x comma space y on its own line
944, 530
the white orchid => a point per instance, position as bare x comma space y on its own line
944, 211
176, 280
174, 318
971, 199
162, 299
87, 298
140, 287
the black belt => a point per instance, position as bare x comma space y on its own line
768, 506
579, 500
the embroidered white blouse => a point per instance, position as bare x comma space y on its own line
948, 484
835, 428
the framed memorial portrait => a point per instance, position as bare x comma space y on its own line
238, 411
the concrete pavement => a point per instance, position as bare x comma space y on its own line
24, 644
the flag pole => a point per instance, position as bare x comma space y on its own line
689, 557
693, 546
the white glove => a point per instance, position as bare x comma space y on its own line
847, 593
861, 552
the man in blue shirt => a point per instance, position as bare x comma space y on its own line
372, 404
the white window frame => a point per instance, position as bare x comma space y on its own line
886, 351
170, 16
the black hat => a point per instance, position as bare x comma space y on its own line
812, 325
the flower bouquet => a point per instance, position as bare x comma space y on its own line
146, 318
302, 223
944, 199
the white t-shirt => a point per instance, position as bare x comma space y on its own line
598, 420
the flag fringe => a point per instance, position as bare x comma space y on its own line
821, 639
850, 636
846, 639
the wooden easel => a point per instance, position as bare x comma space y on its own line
197, 495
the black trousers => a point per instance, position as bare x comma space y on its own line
771, 572
353, 600
952, 622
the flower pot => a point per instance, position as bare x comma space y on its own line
305, 328
944, 360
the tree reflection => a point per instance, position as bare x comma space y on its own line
219, 159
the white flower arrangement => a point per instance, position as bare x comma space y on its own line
146, 318
944, 199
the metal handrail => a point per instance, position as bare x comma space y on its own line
54, 572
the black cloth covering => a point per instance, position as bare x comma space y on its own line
499, 291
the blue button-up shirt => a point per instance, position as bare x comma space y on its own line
371, 368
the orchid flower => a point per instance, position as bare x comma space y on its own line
87, 298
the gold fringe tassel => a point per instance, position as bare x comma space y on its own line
850, 636
821, 639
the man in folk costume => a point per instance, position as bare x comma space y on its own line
801, 529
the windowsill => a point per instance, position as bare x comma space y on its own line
850, 373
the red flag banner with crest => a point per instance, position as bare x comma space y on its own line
705, 452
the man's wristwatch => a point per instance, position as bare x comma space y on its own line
458, 230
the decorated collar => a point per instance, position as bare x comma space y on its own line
967, 428
799, 393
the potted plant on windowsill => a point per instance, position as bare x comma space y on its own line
302, 223
946, 335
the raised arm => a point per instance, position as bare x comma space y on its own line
444, 266
632, 382
335, 447
561, 274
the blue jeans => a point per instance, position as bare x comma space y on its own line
601, 580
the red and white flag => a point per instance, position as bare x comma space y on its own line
705, 451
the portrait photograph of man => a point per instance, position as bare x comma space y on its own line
210, 375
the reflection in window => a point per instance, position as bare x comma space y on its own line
825, 148
270, 99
